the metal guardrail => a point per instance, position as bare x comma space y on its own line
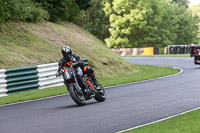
47, 78
21, 79
178, 49
3, 84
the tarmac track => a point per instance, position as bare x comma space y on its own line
126, 106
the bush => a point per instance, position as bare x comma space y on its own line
161, 50
4, 12
60, 10
22, 10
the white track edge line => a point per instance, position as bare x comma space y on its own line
104, 87
33, 100
159, 120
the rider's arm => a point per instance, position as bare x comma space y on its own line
60, 67
191, 52
79, 61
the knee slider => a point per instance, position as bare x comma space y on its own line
89, 70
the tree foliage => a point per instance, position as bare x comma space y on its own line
23, 10
184, 3
60, 10
121, 23
83, 4
94, 20
195, 9
139, 23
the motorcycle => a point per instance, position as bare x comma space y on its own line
196, 54
80, 86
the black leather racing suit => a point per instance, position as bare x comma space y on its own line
75, 58
68, 62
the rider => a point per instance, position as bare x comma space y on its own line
69, 58
194, 52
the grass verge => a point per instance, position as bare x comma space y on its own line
186, 123
147, 72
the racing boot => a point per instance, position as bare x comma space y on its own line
96, 83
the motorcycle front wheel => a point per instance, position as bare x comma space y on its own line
78, 98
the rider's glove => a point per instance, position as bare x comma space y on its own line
58, 74
76, 64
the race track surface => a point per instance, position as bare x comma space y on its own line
126, 106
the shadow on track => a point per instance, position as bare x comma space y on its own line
75, 106
197, 68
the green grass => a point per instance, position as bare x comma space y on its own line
146, 72
186, 123
26, 44
161, 55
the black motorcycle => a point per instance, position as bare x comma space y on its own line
81, 87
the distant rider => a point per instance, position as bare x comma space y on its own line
194, 52
69, 58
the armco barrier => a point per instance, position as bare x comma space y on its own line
178, 49
3, 85
21, 79
128, 51
136, 51
29, 78
47, 78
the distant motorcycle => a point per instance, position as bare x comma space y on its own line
196, 54
78, 92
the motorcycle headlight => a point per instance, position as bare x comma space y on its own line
67, 75
80, 71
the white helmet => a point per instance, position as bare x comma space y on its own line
192, 45
66, 52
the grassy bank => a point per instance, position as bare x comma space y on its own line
186, 123
147, 72
27, 44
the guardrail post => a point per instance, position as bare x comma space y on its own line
3, 81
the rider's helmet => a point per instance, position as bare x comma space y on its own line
192, 45
66, 52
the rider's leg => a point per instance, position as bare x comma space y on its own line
196, 61
94, 79
90, 72
82, 81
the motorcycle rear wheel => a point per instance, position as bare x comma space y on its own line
100, 96
78, 98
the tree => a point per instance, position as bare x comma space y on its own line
142, 23
184, 3
93, 19
83, 4
126, 21
139, 23
195, 9
187, 30
161, 24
